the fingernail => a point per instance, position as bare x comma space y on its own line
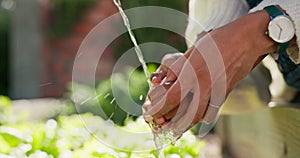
154, 75
160, 120
155, 80
147, 102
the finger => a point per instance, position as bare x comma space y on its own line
175, 94
158, 100
180, 110
178, 65
211, 113
157, 77
160, 106
161, 72
160, 120
171, 114
175, 69
146, 104
193, 114
157, 93
168, 60
176, 112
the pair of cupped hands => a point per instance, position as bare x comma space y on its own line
189, 88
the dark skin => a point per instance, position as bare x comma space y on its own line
185, 85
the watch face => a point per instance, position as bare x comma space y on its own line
281, 29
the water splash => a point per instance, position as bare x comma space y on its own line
141, 97
112, 100
46, 84
106, 95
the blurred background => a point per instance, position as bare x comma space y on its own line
39, 40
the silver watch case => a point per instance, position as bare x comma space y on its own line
281, 29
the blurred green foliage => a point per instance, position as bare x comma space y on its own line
65, 13
148, 34
5, 110
68, 136
104, 103
4, 51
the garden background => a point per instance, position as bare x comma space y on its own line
39, 43
39, 40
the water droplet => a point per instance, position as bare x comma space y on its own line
141, 97
106, 95
112, 101
112, 114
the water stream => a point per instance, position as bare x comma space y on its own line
163, 138
132, 37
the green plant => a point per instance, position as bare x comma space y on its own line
82, 135
104, 104
68, 137
5, 109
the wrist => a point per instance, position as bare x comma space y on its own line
257, 25
247, 35
243, 42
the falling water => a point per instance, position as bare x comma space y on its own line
161, 138
132, 37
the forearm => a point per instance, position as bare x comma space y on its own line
242, 43
248, 35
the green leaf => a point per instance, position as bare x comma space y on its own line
37, 138
4, 102
5, 146
151, 68
12, 136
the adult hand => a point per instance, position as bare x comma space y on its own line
192, 87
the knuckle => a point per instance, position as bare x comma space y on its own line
156, 92
169, 59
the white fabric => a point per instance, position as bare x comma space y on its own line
205, 15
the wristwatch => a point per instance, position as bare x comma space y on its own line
281, 28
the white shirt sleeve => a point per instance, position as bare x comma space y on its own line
292, 8
205, 15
